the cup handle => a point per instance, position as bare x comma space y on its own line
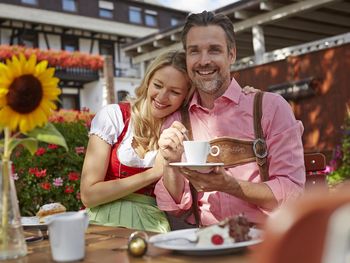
217, 150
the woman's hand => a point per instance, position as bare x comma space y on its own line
158, 167
170, 142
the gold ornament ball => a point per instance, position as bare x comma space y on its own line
137, 246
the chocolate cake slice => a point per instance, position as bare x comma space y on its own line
233, 229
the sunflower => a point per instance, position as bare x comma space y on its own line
28, 92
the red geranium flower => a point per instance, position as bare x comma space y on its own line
40, 151
45, 186
69, 189
41, 173
52, 146
79, 150
33, 170
73, 176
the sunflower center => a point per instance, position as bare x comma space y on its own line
25, 94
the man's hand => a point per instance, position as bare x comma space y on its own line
248, 89
170, 142
208, 180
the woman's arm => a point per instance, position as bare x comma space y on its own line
96, 191
171, 148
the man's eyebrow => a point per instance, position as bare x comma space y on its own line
215, 46
192, 46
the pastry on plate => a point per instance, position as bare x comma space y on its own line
50, 209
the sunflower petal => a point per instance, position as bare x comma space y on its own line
41, 67
29, 67
46, 75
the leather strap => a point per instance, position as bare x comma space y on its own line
233, 152
186, 121
259, 144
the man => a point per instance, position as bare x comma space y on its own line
219, 108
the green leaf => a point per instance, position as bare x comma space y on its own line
48, 134
30, 143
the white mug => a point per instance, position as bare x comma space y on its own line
67, 235
196, 152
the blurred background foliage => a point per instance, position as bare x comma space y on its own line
52, 174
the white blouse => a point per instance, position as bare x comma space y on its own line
108, 124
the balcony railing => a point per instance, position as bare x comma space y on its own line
82, 75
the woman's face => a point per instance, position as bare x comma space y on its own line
167, 90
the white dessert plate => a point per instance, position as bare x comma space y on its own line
175, 240
32, 222
196, 165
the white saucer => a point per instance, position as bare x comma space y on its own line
195, 165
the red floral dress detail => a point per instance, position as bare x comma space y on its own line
117, 170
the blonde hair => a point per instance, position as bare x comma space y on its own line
146, 127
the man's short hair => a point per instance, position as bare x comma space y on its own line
209, 18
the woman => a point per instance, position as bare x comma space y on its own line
122, 163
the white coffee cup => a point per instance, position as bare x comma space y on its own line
197, 152
67, 235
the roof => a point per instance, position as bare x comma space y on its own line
284, 23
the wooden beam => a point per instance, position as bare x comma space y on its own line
280, 13
108, 74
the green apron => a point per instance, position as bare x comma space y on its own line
135, 211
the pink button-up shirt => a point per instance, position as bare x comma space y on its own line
232, 116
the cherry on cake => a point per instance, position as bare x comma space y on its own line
228, 231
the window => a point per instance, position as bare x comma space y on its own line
69, 101
151, 18
106, 9
26, 38
122, 95
107, 48
174, 21
135, 15
69, 5
70, 44
30, 2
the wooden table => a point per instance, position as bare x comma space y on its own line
107, 244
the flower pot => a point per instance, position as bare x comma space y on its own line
12, 242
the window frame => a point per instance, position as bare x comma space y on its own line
70, 10
30, 2
153, 15
69, 41
139, 11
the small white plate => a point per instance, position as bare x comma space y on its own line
196, 166
32, 222
183, 246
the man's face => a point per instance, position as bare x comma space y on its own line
208, 60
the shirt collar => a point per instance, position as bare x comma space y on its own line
233, 94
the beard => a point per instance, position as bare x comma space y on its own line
209, 86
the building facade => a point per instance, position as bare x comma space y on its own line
93, 27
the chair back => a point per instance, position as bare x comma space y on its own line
315, 164
298, 231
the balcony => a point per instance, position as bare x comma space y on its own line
78, 76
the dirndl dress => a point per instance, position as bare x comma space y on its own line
138, 210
